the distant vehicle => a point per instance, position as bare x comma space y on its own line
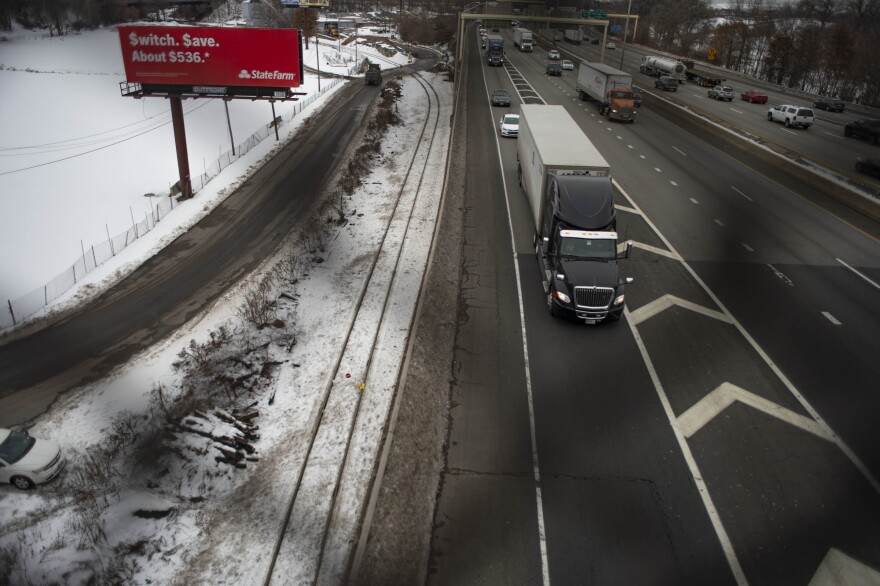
610, 88
574, 36
868, 167
657, 66
567, 65
26, 461
754, 97
721, 92
510, 125
522, 38
666, 83
830, 105
610, 46
594, 41
700, 76
791, 116
373, 76
864, 128
500, 98
554, 69
514, 23
552, 54
495, 50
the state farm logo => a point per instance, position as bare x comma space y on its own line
257, 74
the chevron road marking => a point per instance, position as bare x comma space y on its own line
722, 397
661, 304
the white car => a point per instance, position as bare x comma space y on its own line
567, 65
610, 46
552, 54
510, 125
26, 461
791, 115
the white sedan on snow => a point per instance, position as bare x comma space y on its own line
26, 461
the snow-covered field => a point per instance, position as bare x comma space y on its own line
197, 521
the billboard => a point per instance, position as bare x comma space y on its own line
250, 57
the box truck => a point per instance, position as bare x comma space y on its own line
610, 88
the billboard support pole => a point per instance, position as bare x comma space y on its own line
180, 143
274, 120
229, 124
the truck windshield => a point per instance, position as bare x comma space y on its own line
621, 95
588, 248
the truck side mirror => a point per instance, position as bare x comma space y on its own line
545, 245
628, 251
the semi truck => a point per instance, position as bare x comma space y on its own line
610, 88
657, 66
495, 49
574, 35
701, 77
522, 38
568, 185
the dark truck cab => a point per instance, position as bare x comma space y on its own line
578, 253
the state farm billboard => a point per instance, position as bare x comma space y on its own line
211, 56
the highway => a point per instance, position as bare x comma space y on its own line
723, 432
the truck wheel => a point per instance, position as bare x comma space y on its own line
787, 123
519, 174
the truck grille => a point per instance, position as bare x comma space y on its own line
593, 297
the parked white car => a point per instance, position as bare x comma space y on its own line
791, 115
26, 461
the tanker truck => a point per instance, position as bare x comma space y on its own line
657, 66
568, 185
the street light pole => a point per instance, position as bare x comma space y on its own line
625, 32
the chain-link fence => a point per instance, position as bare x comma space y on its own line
19, 309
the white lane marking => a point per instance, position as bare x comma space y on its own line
865, 277
658, 169
663, 303
536, 470
719, 222
696, 475
747, 247
695, 202
831, 318
629, 146
741, 193
674, 183
654, 249
619, 137
737, 111
681, 152
643, 156
618, 206
707, 408
781, 275
832, 134
787, 130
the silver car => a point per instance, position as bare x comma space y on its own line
26, 461
567, 65
721, 92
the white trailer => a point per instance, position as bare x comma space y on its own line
574, 35
657, 66
522, 38
608, 86
551, 143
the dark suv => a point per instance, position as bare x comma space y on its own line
830, 105
666, 83
554, 69
864, 128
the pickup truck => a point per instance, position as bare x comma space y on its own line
791, 116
